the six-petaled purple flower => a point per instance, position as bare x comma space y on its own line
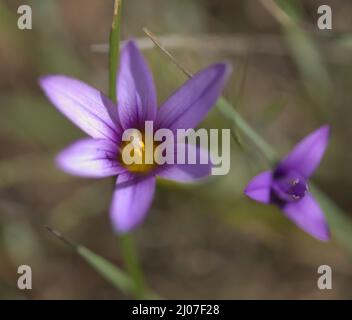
287, 185
100, 155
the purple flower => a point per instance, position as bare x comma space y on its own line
287, 185
100, 155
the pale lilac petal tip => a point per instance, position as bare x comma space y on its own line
94, 158
85, 106
307, 214
187, 107
259, 188
135, 88
307, 154
131, 201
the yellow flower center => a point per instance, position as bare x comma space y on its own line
133, 154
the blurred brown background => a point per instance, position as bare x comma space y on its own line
205, 241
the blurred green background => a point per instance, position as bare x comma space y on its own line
202, 241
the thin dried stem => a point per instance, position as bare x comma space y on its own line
159, 45
58, 235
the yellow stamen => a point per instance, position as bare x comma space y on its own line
138, 153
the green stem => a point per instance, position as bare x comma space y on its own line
229, 112
132, 265
114, 49
127, 245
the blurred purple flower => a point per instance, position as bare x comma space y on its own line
287, 185
100, 155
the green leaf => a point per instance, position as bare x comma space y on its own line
290, 7
107, 270
340, 224
303, 49
308, 60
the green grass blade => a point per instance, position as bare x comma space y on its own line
303, 48
107, 270
229, 112
340, 224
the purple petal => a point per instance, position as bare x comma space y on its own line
136, 93
307, 154
259, 188
131, 200
188, 172
85, 106
307, 214
191, 103
95, 158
